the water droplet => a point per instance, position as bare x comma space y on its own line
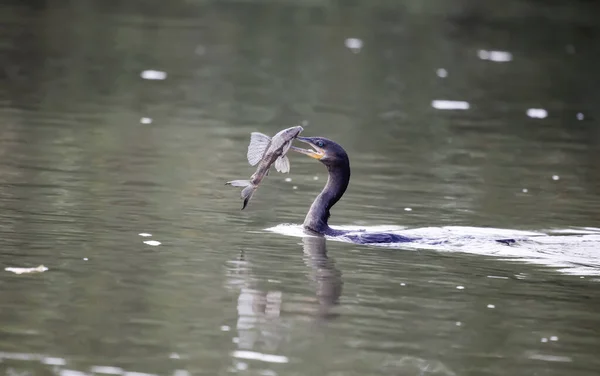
354, 44
442, 73
442, 104
537, 113
555, 177
153, 75
153, 243
146, 120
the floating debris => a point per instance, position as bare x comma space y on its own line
144, 234
407, 209
525, 190
107, 370
288, 179
580, 116
295, 187
537, 113
554, 338
442, 73
460, 287
354, 44
259, 356
153, 75
153, 243
146, 120
38, 269
491, 306
497, 56
555, 177
225, 328
442, 104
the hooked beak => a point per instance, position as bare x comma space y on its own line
317, 153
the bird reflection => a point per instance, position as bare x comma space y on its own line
259, 323
324, 273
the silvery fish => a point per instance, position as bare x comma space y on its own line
265, 152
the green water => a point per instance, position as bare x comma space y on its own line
81, 175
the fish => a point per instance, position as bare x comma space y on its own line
265, 151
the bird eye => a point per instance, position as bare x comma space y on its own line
320, 143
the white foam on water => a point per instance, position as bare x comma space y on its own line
551, 358
107, 370
153, 243
354, 44
497, 56
253, 355
574, 253
151, 74
37, 269
443, 104
537, 113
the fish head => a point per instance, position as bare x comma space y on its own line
285, 136
323, 149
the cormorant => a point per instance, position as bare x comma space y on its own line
335, 158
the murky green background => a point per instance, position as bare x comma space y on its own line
81, 176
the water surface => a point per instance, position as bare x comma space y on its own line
95, 151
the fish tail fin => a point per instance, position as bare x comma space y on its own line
247, 192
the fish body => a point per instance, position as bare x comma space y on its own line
265, 151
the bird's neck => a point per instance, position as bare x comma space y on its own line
337, 182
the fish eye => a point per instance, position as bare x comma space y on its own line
320, 143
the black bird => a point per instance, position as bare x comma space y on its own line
335, 158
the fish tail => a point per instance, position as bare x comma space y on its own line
247, 192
